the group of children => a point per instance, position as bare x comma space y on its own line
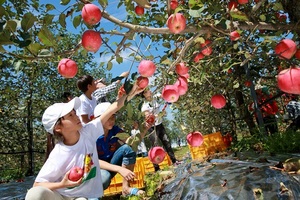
85, 130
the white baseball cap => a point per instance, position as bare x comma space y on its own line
101, 108
56, 111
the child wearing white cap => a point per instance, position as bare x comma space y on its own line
76, 147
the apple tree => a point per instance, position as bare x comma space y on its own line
228, 47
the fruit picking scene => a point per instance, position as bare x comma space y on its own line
150, 100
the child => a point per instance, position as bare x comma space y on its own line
76, 147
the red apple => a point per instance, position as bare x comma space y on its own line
170, 93
229, 71
198, 57
150, 119
67, 68
182, 85
91, 40
232, 4
227, 139
156, 155
297, 54
142, 82
234, 36
207, 49
282, 18
176, 23
139, 10
288, 80
243, 1
286, 48
218, 101
247, 83
195, 139
181, 69
173, 4
256, 1
146, 68
91, 14
76, 173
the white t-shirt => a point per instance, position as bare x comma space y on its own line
141, 147
87, 106
153, 107
83, 154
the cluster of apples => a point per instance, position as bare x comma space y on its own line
171, 93
288, 80
90, 40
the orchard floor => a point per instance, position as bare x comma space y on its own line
242, 176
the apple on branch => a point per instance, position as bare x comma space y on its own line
142, 82
146, 68
91, 14
218, 101
181, 69
139, 10
67, 68
91, 40
176, 23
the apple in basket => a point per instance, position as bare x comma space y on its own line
156, 155
195, 139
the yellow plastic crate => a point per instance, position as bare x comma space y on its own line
212, 143
142, 166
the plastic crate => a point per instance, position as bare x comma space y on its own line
212, 143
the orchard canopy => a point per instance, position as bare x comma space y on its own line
228, 46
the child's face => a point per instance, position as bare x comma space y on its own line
71, 122
110, 123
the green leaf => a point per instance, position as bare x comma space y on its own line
262, 18
49, 7
64, 2
133, 75
17, 65
166, 44
62, 20
196, 13
2, 11
2, 50
193, 3
2, 2
24, 43
46, 37
103, 3
236, 14
11, 25
34, 48
119, 59
48, 19
76, 21
28, 21
129, 110
278, 6
45, 52
109, 66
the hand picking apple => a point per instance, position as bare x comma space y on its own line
75, 174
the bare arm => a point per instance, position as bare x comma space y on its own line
126, 173
65, 182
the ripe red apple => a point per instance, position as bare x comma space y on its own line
288, 80
198, 57
286, 48
282, 18
67, 68
139, 10
156, 155
150, 119
76, 173
195, 139
297, 54
256, 1
176, 23
234, 36
227, 139
218, 101
247, 83
170, 93
173, 4
91, 14
207, 49
142, 82
229, 71
181, 69
243, 1
91, 40
232, 4
146, 68
182, 85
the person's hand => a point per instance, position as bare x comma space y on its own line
124, 74
126, 173
100, 85
67, 183
134, 91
